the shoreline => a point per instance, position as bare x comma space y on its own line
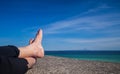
60, 65
97, 60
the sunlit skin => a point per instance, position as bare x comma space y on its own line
33, 50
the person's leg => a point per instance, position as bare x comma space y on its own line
25, 60
9, 51
35, 49
12, 51
31, 60
12, 65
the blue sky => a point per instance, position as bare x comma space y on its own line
66, 24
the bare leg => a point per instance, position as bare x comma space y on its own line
35, 49
31, 60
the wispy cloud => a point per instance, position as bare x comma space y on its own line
94, 41
108, 43
103, 23
99, 21
97, 9
85, 23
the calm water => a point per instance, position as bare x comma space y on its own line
108, 56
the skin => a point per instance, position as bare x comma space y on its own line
33, 50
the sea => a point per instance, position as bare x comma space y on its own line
105, 56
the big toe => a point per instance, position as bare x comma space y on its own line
38, 37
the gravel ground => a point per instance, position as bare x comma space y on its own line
58, 65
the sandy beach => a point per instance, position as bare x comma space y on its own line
59, 65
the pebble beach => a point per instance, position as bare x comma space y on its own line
59, 65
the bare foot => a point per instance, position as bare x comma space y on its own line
36, 44
31, 60
35, 48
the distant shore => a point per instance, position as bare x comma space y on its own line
58, 65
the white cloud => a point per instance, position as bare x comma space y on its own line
90, 24
97, 9
81, 44
95, 40
94, 22
82, 22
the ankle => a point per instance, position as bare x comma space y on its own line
31, 61
31, 50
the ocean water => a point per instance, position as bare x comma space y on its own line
106, 56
